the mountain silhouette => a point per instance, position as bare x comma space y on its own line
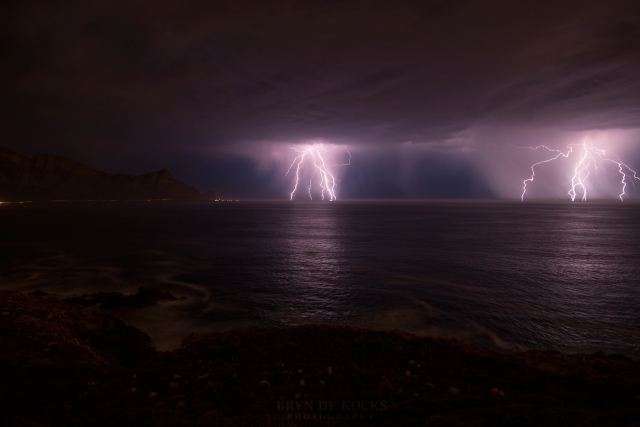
49, 177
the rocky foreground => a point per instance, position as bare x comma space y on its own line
67, 365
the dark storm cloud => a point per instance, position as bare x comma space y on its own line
132, 84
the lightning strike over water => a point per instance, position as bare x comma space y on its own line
589, 156
311, 156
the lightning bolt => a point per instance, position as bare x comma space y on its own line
312, 156
533, 172
589, 155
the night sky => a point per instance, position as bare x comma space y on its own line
433, 98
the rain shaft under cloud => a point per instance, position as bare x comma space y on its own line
430, 96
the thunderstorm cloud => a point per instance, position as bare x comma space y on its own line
431, 96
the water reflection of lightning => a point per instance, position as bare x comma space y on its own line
313, 155
589, 156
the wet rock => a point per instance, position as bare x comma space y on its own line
496, 392
383, 369
146, 297
79, 336
386, 385
213, 418
93, 299
38, 293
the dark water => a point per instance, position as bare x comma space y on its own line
514, 276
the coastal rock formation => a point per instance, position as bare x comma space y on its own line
59, 178
41, 330
289, 377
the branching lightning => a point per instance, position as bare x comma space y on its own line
589, 156
312, 156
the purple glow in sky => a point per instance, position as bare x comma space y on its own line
431, 95
588, 158
311, 161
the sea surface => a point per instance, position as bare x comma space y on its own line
513, 276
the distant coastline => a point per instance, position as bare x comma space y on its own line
52, 178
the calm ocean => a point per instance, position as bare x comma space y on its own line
510, 275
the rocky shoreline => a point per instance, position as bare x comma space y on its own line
61, 364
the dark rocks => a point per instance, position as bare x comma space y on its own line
43, 330
221, 378
496, 392
145, 297
93, 299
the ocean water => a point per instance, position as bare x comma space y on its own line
513, 276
